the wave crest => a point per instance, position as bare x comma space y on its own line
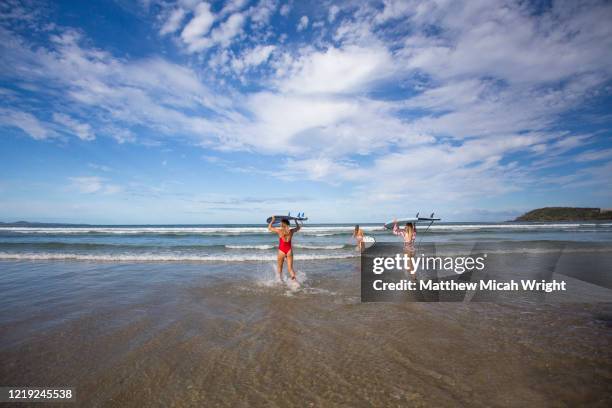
262, 247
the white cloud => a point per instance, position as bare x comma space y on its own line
594, 155
333, 12
206, 29
219, 60
319, 169
326, 125
253, 57
195, 31
120, 94
232, 6
262, 12
87, 185
279, 118
395, 9
337, 70
222, 35
93, 184
81, 130
24, 121
101, 167
121, 135
112, 189
285, 9
259, 54
303, 24
174, 22
229, 29
509, 43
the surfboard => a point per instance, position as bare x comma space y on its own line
279, 218
368, 241
415, 220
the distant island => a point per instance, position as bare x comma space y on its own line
567, 214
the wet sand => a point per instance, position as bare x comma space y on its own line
225, 335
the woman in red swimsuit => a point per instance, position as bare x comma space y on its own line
284, 246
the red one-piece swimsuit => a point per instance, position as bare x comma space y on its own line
284, 246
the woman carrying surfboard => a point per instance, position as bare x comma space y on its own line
408, 234
358, 236
285, 234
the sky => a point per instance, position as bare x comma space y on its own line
160, 112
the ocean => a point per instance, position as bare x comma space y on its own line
241, 243
172, 315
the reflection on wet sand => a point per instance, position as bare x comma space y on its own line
176, 335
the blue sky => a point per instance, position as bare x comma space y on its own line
217, 112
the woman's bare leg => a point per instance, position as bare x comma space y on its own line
410, 264
290, 264
280, 259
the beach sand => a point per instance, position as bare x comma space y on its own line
189, 334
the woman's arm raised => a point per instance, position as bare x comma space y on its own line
270, 227
396, 229
297, 226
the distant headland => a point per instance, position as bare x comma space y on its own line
567, 214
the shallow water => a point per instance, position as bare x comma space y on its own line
228, 334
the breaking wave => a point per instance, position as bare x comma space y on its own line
161, 257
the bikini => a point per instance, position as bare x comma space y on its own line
408, 244
283, 246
